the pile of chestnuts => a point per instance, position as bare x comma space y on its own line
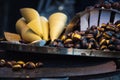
104, 37
18, 65
108, 5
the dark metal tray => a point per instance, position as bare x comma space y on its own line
58, 66
58, 51
58, 62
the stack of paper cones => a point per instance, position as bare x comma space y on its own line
45, 28
33, 27
57, 23
33, 20
26, 33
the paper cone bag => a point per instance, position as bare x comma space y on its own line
12, 36
20, 24
29, 14
57, 23
45, 27
26, 33
29, 36
33, 20
36, 27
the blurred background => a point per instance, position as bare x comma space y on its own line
9, 9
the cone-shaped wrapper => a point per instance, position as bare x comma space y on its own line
57, 23
27, 34
20, 24
45, 28
29, 14
33, 20
12, 36
35, 26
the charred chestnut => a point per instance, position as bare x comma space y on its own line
29, 65
68, 41
39, 64
2, 62
76, 37
16, 67
111, 47
9, 64
20, 63
107, 5
103, 47
115, 5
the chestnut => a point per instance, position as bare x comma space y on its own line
101, 29
89, 36
107, 35
103, 25
115, 5
68, 41
107, 5
110, 27
16, 67
111, 47
2, 62
29, 65
103, 42
69, 35
103, 47
64, 37
117, 23
20, 63
76, 37
39, 64
9, 64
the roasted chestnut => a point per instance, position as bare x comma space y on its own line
111, 47
76, 37
29, 65
68, 41
20, 63
64, 37
9, 64
103, 47
2, 62
16, 67
39, 64
89, 36
103, 42
107, 5
115, 5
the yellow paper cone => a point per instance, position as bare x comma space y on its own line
29, 14
26, 33
33, 20
45, 28
29, 36
57, 23
20, 24
36, 27
12, 36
